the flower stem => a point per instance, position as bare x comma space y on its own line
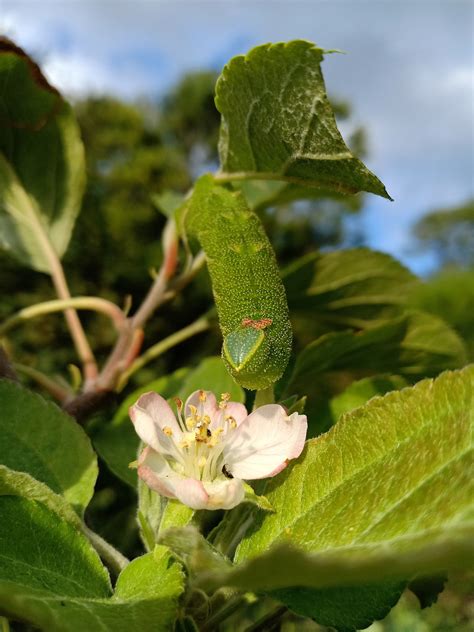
265, 396
230, 606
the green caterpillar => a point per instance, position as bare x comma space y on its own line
248, 291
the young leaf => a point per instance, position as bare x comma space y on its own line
277, 123
43, 553
348, 288
42, 169
21, 484
248, 291
55, 580
38, 438
384, 495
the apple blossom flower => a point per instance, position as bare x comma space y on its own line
202, 455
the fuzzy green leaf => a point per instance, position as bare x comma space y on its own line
277, 122
36, 437
348, 288
42, 168
52, 578
385, 495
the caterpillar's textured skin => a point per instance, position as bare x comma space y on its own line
246, 284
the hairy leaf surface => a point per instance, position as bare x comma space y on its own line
42, 169
385, 495
277, 122
38, 438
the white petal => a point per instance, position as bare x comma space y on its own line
210, 406
237, 411
225, 493
150, 415
154, 469
262, 445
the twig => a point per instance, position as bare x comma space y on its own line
167, 270
6, 369
160, 347
52, 387
93, 303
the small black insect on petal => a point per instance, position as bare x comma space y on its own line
226, 472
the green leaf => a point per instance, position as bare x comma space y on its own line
194, 551
51, 577
38, 438
156, 513
42, 169
117, 442
348, 288
360, 392
277, 123
14, 483
385, 495
39, 551
414, 345
260, 501
347, 609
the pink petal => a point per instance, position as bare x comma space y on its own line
262, 445
155, 471
150, 415
224, 494
210, 406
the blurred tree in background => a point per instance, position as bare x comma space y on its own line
449, 293
449, 234
135, 151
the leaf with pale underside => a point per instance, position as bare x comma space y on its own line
277, 122
42, 168
385, 495
36, 437
348, 288
52, 578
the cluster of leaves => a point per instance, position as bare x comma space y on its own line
378, 501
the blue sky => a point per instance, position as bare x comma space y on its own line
408, 72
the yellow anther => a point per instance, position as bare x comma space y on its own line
183, 444
190, 422
225, 397
232, 422
206, 420
202, 396
193, 410
168, 432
